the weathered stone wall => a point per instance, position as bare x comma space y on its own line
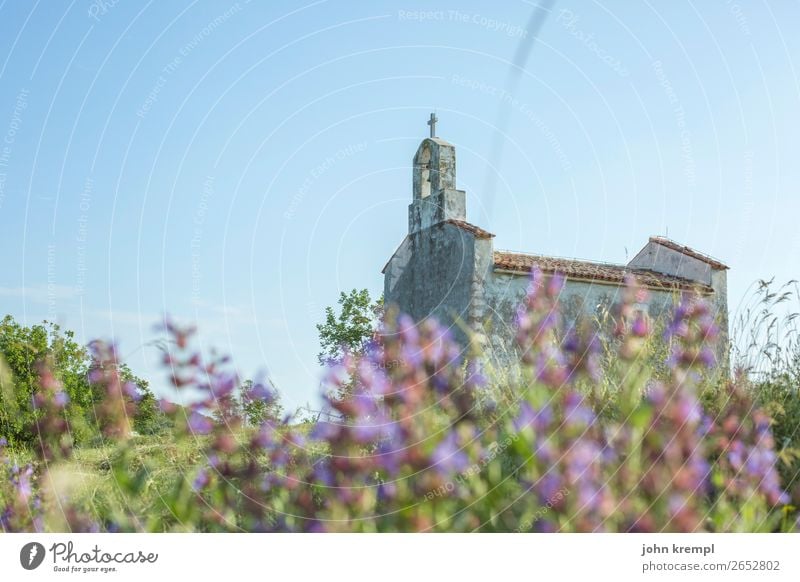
719, 282
506, 291
435, 197
445, 272
444, 205
432, 274
434, 168
658, 258
661, 259
482, 274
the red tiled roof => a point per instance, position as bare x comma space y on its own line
477, 231
575, 269
671, 244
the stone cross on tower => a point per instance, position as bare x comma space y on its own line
432, 122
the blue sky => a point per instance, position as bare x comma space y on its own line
238, 164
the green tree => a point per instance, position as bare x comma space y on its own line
148, 418
352, 328
259, 403
21, 350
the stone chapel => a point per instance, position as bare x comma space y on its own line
448, 268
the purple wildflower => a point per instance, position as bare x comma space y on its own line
61, 399
201, 481
199, 424
448, 457
538, 420
326, 431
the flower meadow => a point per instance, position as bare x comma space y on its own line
420, 438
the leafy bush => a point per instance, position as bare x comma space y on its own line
22, 351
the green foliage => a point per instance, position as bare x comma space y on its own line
766, 340
779, 395
148, 419
256, 408
352, 329
22, 349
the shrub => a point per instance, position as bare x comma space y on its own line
22, 351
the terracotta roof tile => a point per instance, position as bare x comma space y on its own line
477, 231
671, 244
592, 271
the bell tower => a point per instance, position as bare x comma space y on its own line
435, 197
440, 267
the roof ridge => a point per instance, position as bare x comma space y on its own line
689, 251
562, 258
581, 269
469, 227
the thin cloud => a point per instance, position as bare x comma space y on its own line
43, 293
